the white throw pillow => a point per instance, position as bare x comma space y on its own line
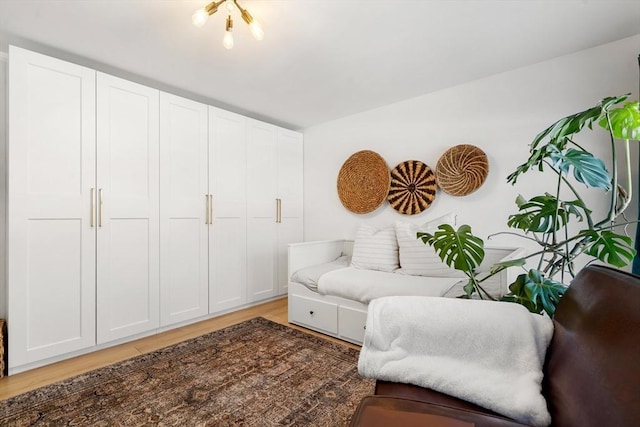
375, 249
418, 259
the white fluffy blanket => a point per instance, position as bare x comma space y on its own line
488, 353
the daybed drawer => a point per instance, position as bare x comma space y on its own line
315, 314
352, 323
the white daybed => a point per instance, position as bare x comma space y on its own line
345, 318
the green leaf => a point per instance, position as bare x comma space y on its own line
536, 292
541, 214
572, 208
625, 121
609, 247
559, 134
610, 101
522, 301
587, 168
459, 249
499, 266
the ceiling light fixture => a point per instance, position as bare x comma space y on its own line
201, 16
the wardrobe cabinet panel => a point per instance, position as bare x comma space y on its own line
228, 274
274, 192
261, 209
183, 210
261, 260
228, 231
128, 208
290, 190
50, 238
290, 173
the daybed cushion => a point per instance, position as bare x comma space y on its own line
375, 249
309, 276
365, 285
417, 258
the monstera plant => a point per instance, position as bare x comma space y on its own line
558, 220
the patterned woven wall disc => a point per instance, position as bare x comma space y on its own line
462, 169
363, 182
413, 187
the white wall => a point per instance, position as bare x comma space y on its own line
500, 114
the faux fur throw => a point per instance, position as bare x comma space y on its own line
488, 353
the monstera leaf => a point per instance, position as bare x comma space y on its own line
543, 214
499, 266
587, 169
559, 135
609, 247
625, 121
459, 249
536, 292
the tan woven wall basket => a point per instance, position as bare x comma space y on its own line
363, 182
462, 169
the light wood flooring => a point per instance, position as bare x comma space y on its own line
20, 383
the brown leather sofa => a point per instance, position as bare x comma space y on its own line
591, 371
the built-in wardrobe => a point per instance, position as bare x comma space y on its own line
132, 210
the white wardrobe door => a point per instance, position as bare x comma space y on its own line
51, 243
290, 173
290, 189
184, 288
261, 210
128, 208
228, 235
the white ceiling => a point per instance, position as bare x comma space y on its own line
320, 59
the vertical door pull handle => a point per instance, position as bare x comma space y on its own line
278, 211
100, 207
93, 208
210, 208
206, 208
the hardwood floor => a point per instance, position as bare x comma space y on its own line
20, 383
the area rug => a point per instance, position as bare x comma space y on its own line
256, 373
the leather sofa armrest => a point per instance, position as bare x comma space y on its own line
379, 411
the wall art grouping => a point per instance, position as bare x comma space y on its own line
365, 181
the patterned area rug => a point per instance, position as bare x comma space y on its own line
256, 373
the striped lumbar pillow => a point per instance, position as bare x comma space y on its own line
375, 249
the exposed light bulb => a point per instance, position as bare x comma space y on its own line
227, 41
256, 30
199, 17
229, 5
254, 26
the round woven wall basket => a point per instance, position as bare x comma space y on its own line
363, 182
462, 169
413, 187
